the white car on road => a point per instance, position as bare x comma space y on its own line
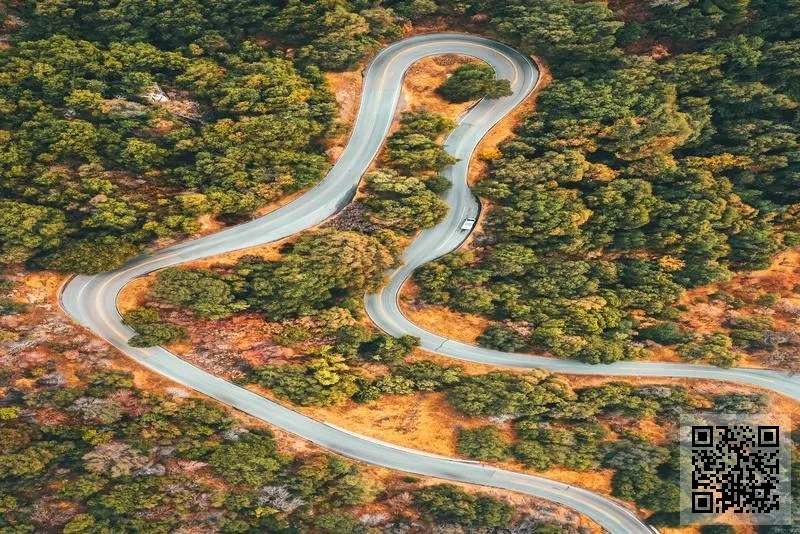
468, 223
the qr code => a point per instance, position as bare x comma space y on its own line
737, 465
735, 468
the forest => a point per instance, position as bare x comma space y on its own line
324, 272
662, 156
124, 125
639, 176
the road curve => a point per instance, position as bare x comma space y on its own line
91, 300
384, 310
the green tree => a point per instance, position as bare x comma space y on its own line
319, 270
666, 333
325, 380
387, 349
483, 443
428, 375
26, 229
502, 338
251, 459
445, 503
473, 81
402, 203
150, 329
499, 393
413, 148
90, 256
203, 292
715, 348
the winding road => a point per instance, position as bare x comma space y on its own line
91, 300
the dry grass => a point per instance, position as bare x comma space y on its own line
40, 291
424, 77
346, 88
134, 294
706, 315
440, 319
40, 286
268, 251
426, 421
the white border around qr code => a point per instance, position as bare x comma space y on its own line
726, 462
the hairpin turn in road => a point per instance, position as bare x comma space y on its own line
91, 300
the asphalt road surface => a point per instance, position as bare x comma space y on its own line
91, 300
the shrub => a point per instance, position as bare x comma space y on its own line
9, 307
473, 81
502, 338
715, 348
430, 376
252, 459
768, 299
750, 332
90, 256
666, 333
445, 503
437, 183
483, 443
150, 330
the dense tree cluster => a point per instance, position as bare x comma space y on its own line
84, 448
150, 329
319, 270
484, 443
335, 34
405, 204
413, 147
646, 474
569, 429
95, 165
448, 504
404, 196
638, 177
473, 81
554, 424
122, 124
322, 272
635, 179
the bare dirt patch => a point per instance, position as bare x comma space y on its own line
440, 319
346, 88
134, 294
